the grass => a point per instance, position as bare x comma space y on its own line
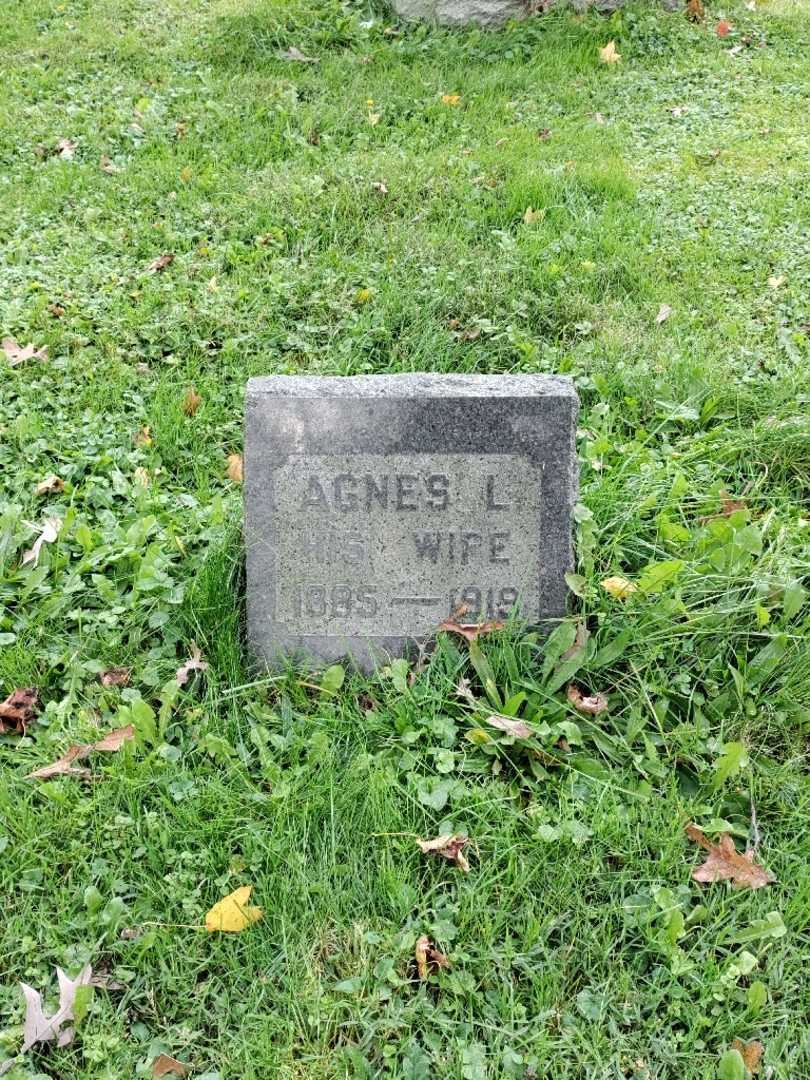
579, 945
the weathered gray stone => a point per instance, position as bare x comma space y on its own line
375, 505
462, 12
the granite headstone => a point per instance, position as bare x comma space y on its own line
377, 505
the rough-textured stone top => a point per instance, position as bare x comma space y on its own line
417, 384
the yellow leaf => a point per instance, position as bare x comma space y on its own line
777, 281
610, 54
362, 296
451, 99
232, 913
619, 587
532, 216
185, 174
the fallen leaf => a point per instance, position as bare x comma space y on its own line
186, 174
194, 663
379, 186
451, 99
192, 401
544, 134
17, 710
65, 149
51, 485
725, 863
144, 437
374, 118
751, 1053
161, 262
18, 354
694, 11
115, 676
109, 743
777, 281
235, 470
470, 334
591, 704
609, 54
598, 118
664, 313
141, 476
107, 165
428, 956
728, 506
464, 690
618, 587
48, 534
39, 1028
164, 1065
233, 914
580, 641
297, 56
723, 28
470, 631
532, 216
56, 310
362, 296
448, 847
517, 728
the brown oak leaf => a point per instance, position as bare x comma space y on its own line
161, 262
592, 704
512, 727
115, 676
18, 354
725, 863
165, 1065
18, 710
751, 1053
471, 631
449, 847
194, 663
109, 743
694, 11
428, 958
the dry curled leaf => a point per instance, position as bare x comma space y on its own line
728, 506
592, 704
165, 1065
110, 743
18, 354
39, 1028
47, 535
17, 710
694, 11
580, 641
609, 54
449, 847
618, 587
725, 863
144, 437
194, 663
379, 187
723, 28
107, 165
470, 631
51, 485
751, 1053
235, 468
664, 313
115, 676
65, 149
233, 913
297, 56
192, 401
544, 134
161, 262
776, 281
518, 728
428, 958
451, 99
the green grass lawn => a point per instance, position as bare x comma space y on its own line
368, 213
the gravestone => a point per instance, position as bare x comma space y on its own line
377, 505
460, 12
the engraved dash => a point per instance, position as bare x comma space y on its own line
426, 600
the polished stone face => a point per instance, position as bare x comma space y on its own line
377, 505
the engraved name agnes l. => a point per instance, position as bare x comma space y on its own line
386, 540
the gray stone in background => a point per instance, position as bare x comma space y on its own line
462, 12
374, 505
